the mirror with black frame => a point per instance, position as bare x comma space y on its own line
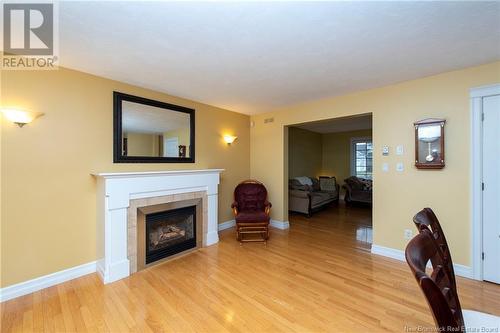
149, 131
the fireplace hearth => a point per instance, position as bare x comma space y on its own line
169, 232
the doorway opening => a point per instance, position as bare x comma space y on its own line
330, 177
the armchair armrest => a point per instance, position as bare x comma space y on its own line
299, 193
348, 192
267, 207
234, 206
347, 187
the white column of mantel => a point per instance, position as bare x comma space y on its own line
212, 236
112, 235
118, 265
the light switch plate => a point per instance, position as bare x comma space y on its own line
399, 150
385, 167
399, 167
385, 150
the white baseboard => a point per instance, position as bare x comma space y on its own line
463, 271
100, 269
30, 286
460, 270
280, 224
388, 252
212, 238
115, 271
226, 225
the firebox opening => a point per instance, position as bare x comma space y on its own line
170, 232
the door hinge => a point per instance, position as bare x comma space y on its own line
482, 256
482, 116
482, 186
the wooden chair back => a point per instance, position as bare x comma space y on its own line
437, 288
427, 220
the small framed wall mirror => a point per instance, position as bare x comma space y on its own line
429, 143
149, 131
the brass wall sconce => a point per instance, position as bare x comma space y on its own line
20, 117
229, 139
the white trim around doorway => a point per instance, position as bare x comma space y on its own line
476, 97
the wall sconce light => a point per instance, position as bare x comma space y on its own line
20, 117
229, 139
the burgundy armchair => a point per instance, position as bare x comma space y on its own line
251, 210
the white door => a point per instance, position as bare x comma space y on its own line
491, 192
171, 147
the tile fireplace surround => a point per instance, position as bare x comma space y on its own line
118, 192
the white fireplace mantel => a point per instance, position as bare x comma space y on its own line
114, 192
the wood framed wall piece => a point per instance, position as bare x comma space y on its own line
429, 143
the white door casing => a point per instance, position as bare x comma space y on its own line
477, 94
491, 190
171, 147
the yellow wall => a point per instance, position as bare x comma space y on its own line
397, 196
304, 153
337, 153
181, 133
47, 192
142, 144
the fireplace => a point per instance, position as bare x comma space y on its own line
169, 232
125, 198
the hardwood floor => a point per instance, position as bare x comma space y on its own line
314, 277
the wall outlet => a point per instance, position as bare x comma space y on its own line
399, 150
408, 234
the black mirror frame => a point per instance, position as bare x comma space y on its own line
118, 97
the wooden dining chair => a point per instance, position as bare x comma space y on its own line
439, 293
427, 220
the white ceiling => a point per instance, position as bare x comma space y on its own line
140, 118
256, 57
339, 124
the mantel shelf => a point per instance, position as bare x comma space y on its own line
154, 173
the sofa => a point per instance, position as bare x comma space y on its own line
311, 197
357, 190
